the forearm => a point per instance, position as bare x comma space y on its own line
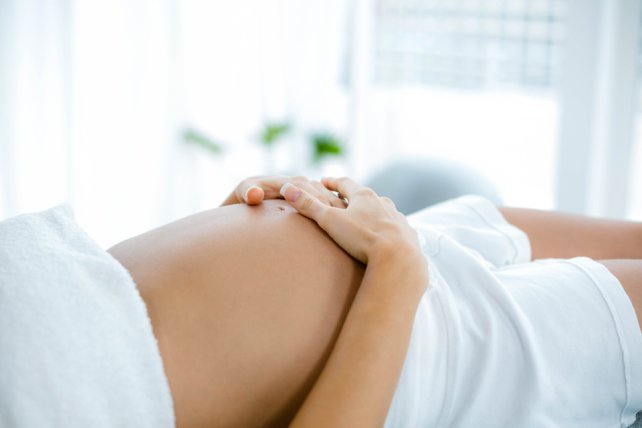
561, 235
357, 384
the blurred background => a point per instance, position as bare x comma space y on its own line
138, 112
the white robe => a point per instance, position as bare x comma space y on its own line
499, 341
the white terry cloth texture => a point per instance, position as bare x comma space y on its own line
499, 341
76, 343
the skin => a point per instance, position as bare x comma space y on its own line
562, 235
356, 386
254, 309
246, 304
614, 243
249, 327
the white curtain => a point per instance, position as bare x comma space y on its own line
95, 96
84, 111
34, 104
599, 94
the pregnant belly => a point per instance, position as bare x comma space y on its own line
246, 304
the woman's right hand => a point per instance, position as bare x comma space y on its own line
368, 226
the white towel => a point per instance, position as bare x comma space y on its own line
76, 344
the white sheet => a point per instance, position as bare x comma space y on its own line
76, 344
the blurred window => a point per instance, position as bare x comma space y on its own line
468, 43
471, 80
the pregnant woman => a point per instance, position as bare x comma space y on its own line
263, 318
330, 308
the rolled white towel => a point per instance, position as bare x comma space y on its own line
76, 343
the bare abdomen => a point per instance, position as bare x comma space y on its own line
246, 303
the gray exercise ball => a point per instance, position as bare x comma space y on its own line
414, 184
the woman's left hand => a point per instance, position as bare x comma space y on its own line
254, 190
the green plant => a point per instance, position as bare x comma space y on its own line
272, 132
325, 144
191, 136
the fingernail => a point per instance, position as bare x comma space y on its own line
294, 194
247, 192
